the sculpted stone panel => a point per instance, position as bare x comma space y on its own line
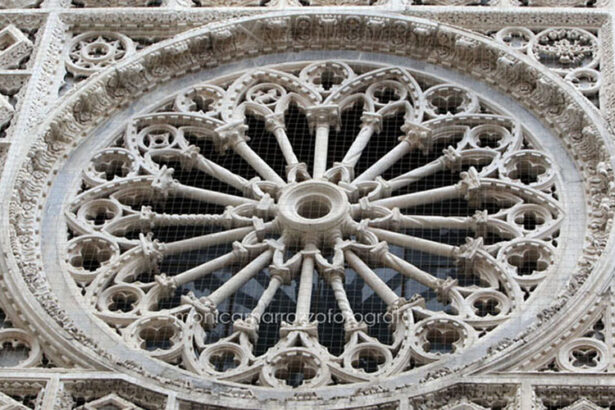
94, 51
18, 348
14, 47
104, 394
6, 111
15, 51
562, 3
10, 94
19, 4
461, 397
584, 349
574, 397
570, 52
21, 394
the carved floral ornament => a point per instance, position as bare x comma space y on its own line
328, 217
573, 53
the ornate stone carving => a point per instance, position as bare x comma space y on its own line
101, 394
557, 3
93, 51
21, 394
353, 3
459, 397
6, 111
573, 397
109, 401
14, 47
572, 53
579, 128
19, 4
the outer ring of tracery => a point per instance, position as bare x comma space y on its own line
86, 107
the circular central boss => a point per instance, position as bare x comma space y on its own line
312, 206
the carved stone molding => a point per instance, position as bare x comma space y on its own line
574, 397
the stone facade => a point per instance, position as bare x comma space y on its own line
444, 166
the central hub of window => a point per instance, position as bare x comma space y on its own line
312, 206
315, 207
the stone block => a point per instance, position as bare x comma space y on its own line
14, 47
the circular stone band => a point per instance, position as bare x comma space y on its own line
313, 207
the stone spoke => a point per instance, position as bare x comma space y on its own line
240, 278
467, 188
418, 244
305, 286
259, 164
370, 124
371, 278
162, 220
275, 125
421, 198
434, 222
203, 269
337, 284
416, 174
411, 271
321, 118
206, 195
384, 163
153, 219
416, 137
320, 150
233, 136
212, 239
221, 173
265, 299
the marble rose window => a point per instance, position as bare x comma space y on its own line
375, 204
313, 223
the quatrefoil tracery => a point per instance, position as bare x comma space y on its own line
453, 167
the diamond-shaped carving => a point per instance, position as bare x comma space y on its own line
6, 110
464, 404
8, 403
14, 47
583, 404
110, 401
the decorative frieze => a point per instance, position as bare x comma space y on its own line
574, 397
19, 4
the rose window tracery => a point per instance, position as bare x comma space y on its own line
95, 50
414, 212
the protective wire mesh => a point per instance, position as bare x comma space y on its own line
366, 304
362, 298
